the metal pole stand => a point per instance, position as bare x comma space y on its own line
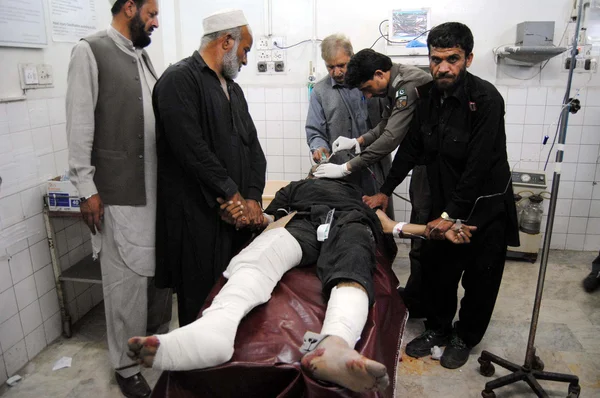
533, 369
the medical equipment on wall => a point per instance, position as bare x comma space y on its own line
528, 185
407, 40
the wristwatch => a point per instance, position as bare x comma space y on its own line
84, 198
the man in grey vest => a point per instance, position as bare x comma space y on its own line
335, 110
112, 161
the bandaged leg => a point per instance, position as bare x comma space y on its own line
209, 340
334, 358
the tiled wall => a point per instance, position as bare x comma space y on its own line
280, 112
33, 147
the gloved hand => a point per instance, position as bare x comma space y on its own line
330, 170
343, 143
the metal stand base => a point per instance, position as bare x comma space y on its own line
522, 373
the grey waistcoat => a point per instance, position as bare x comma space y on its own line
339, 122
118, 149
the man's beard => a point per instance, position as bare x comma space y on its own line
139, 37
231, 63
450, 85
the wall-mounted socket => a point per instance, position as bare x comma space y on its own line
276, 42
261, 67
277, 55
587, 64
279, 66
35, 76
263, 55
45, 74
263, 43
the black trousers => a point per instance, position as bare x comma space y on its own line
480, 264
348, 254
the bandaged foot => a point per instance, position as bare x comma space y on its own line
337, 363
209, 341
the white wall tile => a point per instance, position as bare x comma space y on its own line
536, 95
552, 115
20, 266
588, 154
517, 96
44, 280
291, 129
42, 140
292, 147
18, 116
73, 312
36, 229
569, 172
555, 95
257, 111
59, 136
255, 94
596, 192
26, 292
40, 255
276, 176
591, 117
274, 111
84, 303
56, 111
35, 342
275, 146
10, 333
561, 224
575, 242
261, 128
22, 142
563, 207
590, 135
3, 375
53, 328
558, 241
291, 94
15, 358
97, 295
577, 225
592, 242
571, 153
585, 172
593, 97
291, 111
578, 119
32, 202
595, 208
580, 208
31, 317
573, 134
64, 262
38, 113
533, 133
534, 114
304, 94
593, 226
61, 159
514, 133
583, 190
303, 110
61, 243
49, 303
274, 129
77, 254
530, 152
8, 305
513, 151
515, 114
273, 95
275, 164
11, 210
46, 167
5, 278
292, 164
73, 235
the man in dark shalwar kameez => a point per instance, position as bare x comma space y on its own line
208, 150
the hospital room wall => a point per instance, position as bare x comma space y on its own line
33, 148
279, 104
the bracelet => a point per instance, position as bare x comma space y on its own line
397, 230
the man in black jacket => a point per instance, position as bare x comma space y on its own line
458, 133
207, 149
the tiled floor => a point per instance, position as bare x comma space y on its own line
568, 340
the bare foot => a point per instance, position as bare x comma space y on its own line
143, 349
335, 362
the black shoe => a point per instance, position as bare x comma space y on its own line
456, 353
133, 387
421, 346
591, 282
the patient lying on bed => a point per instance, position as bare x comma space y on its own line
344, 253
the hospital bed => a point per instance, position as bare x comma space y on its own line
266, 360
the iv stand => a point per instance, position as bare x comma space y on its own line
533, 369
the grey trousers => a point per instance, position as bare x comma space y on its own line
133, 305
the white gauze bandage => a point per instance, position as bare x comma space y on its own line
346, 314
252, 276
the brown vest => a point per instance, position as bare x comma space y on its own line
118, 149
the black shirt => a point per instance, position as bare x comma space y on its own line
461, 140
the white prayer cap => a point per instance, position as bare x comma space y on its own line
223, 20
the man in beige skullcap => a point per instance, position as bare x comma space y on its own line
208, 154
112, 161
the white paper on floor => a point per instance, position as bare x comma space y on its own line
64, 362
436, 352
13, 380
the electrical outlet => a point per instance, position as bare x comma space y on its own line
45, 75
276, 42
263, 55
279, 66
261, 67
277, 55
263, 43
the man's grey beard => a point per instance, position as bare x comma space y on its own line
231, 63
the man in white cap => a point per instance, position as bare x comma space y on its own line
208, 153
112, 161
